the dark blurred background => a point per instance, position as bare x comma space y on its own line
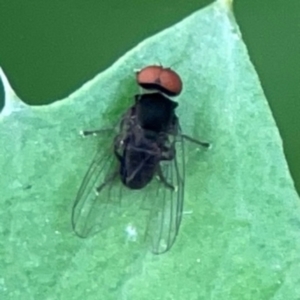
50, 48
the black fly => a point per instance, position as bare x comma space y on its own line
149, 147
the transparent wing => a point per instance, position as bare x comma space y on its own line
166, 212
97, 193
97, 204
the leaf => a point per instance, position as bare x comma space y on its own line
240, 233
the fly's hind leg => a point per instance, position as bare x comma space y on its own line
108, 185
162, 178
192, 140
110, 178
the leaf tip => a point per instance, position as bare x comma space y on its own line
227, 4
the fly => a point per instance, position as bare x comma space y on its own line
148, 150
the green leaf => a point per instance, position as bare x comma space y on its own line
239, 237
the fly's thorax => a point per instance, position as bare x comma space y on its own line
155, 112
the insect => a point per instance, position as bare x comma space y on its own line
147, 152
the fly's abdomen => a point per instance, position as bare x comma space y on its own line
138, 167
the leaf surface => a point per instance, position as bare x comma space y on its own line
239, 237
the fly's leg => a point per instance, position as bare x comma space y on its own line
162, 178
192, 140
85, 133
177, 130
107, 180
